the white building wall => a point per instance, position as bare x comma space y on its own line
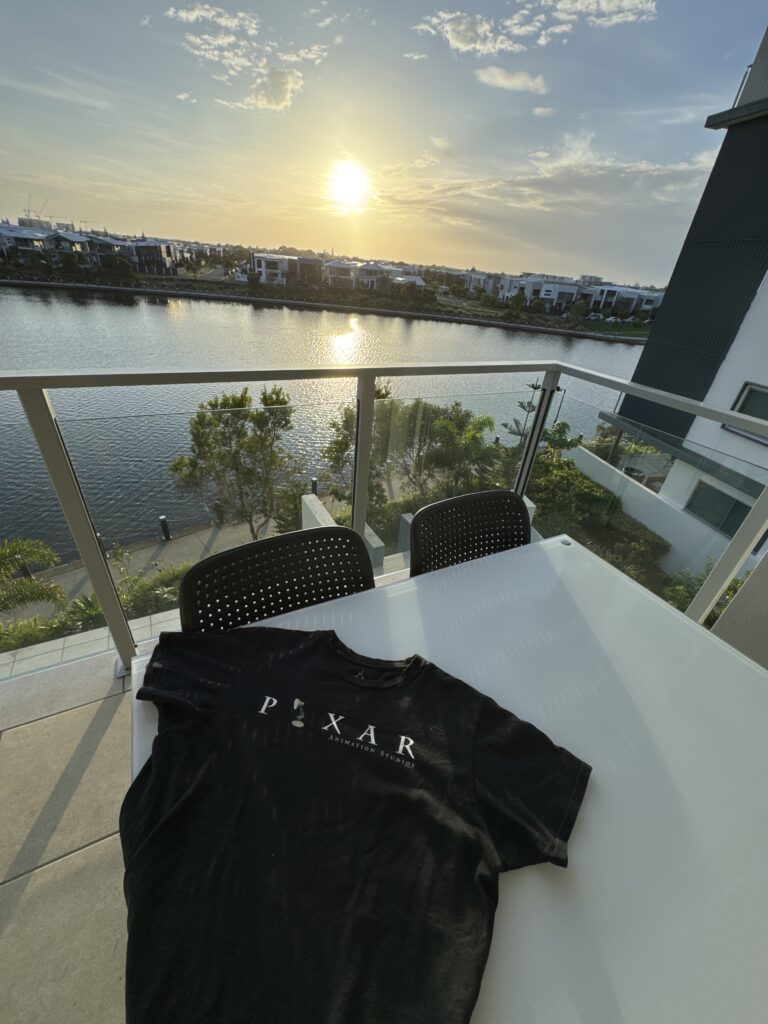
747, 360
692, 541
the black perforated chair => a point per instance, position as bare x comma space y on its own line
469, 526
272, 576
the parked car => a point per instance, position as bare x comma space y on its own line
614, 320
648, 322
594, 316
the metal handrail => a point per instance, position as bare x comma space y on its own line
133, 378
33, 390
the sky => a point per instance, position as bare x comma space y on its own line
555, 136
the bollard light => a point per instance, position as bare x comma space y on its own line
164, 528
314, 485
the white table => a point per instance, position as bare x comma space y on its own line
662, 915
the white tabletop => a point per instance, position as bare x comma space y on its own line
662, 915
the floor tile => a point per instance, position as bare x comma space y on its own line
34, 664
64, 778
62, 941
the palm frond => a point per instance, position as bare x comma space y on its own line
25, 590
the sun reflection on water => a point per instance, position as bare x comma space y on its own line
345, 345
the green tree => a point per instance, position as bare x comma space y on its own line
578, 309
18, 587
288, 505
340, 450
238, 463
460, 456
340, 453
683, 586
537, 306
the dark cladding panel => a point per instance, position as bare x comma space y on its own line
723, 260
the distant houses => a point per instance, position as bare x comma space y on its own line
34, 239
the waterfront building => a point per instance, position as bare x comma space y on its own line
22, 241
708, 340
339, 273
372, 275
274, 268
155, 256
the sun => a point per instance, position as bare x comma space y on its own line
348, 185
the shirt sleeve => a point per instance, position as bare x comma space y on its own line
178, 681
528, 789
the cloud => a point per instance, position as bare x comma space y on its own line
67, 90
603, 13
516, 81
468, 33
545, 37
338, 40
234, 54
146, 21
539, 20
543, 111
406, 168
415, 56
274, 91
239, 21
186, 97
326, 22
314, 54
692, 109
576, 179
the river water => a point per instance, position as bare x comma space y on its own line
121, 440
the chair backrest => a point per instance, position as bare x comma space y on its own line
469, 526
272, 576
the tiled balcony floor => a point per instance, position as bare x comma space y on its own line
62, 913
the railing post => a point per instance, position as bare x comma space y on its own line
366, 395
728, 564
548, 389
50, 442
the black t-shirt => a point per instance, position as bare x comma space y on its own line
317, 836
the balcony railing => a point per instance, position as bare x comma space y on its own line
626, 463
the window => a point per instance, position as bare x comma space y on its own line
752, 400
717, 508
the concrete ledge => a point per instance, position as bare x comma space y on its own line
48, 691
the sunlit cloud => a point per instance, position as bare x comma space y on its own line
313, 54
239, 21
603, 13
576, 177
543, 111
274, 91
186, 97
415, 56
326, 22
426, 159
515, 81
468, 33
539, 21
545, 37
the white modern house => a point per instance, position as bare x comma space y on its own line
339, 273
558, 293
271, 268
278, 268
371, 275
